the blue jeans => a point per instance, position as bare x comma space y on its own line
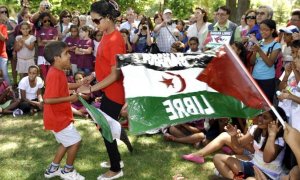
86, 71
3, 67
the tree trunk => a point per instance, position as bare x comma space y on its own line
243, 6
231, 4
237, 10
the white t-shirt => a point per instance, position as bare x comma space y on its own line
201, 34
24, 52
287, 53
295, 110
30, 92
130, 28
196, 52
274, 168
291, 108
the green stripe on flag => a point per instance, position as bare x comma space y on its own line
99, 118
147, 113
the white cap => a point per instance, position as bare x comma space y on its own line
45, 3
290, 29
167, 11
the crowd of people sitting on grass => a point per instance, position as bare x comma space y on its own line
254, 148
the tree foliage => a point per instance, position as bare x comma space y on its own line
182, 9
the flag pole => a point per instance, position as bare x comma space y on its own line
255, 84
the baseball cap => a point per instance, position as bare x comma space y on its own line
167, 11
290, 29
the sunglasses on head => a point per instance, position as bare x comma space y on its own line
2, 12
97, 21
45, 21
66, 16
250, 17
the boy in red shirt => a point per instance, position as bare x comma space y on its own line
58, 115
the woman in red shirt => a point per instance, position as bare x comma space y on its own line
103, 14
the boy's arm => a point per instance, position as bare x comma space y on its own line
112, 77
73, 86
61, 99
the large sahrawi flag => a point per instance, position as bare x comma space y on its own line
168, 89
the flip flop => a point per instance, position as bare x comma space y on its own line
194, 158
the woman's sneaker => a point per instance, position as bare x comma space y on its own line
49, 174
73, 175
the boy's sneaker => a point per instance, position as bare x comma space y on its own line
17, 112
49, 174
73, 175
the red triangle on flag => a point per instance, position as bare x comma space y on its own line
227, 75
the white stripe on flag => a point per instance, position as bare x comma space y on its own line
140, 81
115, 126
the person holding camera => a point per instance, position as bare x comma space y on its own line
45, 6
166, 32
142, 38
131, 24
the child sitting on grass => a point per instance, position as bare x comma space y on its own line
58, 116
30, 88
8, 101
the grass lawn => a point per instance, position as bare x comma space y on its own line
26, 150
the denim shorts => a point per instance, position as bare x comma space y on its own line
248, 170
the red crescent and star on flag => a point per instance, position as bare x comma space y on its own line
169, 82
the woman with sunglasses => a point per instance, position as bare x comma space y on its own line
253, 30
253, 27
110, 80
46, 32
64, 24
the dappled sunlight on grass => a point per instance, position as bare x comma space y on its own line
26, 150
9, 146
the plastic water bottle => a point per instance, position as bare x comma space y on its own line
278, 93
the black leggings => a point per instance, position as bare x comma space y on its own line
112, 109
268, 86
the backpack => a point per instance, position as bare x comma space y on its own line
278, 65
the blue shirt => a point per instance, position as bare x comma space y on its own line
261, 70
255, 31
